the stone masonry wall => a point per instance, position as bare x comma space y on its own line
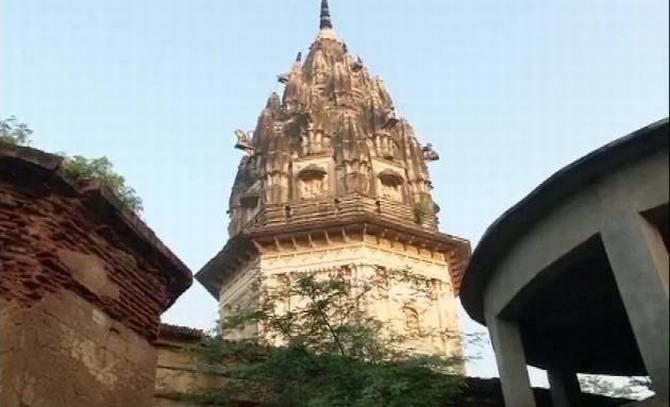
180, 372
79, 305
63, 351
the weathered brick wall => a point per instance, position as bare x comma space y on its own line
80, 303
49, 244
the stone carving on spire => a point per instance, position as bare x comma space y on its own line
336, 116
283, 78
391, 119
358, 65
244, 141
429, 154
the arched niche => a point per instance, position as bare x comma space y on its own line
391, 185
381, 281
412, 321
249, 206
249, 201
312, 182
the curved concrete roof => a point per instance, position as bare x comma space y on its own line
504, 232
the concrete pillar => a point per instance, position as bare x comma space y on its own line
511, 359
639, 261
564, 384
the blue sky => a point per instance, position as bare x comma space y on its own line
507, 91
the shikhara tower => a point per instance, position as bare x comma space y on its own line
331, 181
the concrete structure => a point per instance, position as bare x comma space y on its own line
332, 181
574, 278
83, 283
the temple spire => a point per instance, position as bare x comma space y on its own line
325, 16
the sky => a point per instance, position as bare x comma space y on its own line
508, 92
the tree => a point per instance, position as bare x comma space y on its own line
622, 387
324, 350
13, 132
80, 169
76, 168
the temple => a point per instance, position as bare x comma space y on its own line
332, 180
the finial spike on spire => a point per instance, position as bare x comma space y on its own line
325, 16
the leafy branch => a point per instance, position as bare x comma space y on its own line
322, 349
422, 210
81, 169
13, 132
76, 168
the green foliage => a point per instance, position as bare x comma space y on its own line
81, 169
325, 351
620, 387
76, 168
14, 133
422, 210
216, 350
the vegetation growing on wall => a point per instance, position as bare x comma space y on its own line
81, 169
324, 351
13, 132
76, 168
422, 210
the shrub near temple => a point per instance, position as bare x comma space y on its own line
324, 351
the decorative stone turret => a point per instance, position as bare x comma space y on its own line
329, 170
333, 134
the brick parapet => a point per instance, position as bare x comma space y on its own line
55, 235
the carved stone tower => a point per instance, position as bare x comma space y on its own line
332, 180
